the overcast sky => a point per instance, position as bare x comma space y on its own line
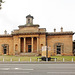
48, 14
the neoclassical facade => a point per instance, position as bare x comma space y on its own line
29, 39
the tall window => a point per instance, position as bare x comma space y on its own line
58, 49
28, 20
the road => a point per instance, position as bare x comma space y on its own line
37, 69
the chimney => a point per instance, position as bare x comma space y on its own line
54, 30
5, 32
61, 29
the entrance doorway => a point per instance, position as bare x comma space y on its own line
5, 51
58, 49
29, 48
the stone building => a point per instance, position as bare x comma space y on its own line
29, 39
74, 47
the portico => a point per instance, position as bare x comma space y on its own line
28, 44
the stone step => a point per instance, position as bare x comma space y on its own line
28, 54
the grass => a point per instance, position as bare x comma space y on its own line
16, 58
66, 58
34, 58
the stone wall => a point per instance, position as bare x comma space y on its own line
66, 40
13, 43
9, 41
42, 42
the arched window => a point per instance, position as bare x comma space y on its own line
41, 46
16, 47
58, 48
28, 20
5, 48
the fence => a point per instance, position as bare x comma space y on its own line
36, 60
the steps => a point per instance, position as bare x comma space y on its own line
28, 54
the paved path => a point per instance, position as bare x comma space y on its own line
37, 69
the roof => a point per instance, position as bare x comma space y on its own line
28, 26
7, 35
74, 41
47, 33
27, 33
60, 33
29, 16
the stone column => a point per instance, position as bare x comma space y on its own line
14, 48
37, 44
24, 44
19, 45
32, 44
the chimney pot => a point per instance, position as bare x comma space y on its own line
5, 32
54, 30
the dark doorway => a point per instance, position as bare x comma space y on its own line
4, 51
29, 48
58, 49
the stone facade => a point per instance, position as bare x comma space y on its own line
29, 38
74, 47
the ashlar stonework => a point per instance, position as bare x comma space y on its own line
29, 39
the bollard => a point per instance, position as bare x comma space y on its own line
55, 59
72, 59
19, 59
63, 59
30, 59
3, 59
11, 59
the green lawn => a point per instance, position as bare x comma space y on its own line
66, 58
16, 58
25, 58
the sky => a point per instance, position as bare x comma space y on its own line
48, 14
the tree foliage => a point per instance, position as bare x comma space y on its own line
0, 0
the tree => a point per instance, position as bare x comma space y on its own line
0, 4
0, 0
